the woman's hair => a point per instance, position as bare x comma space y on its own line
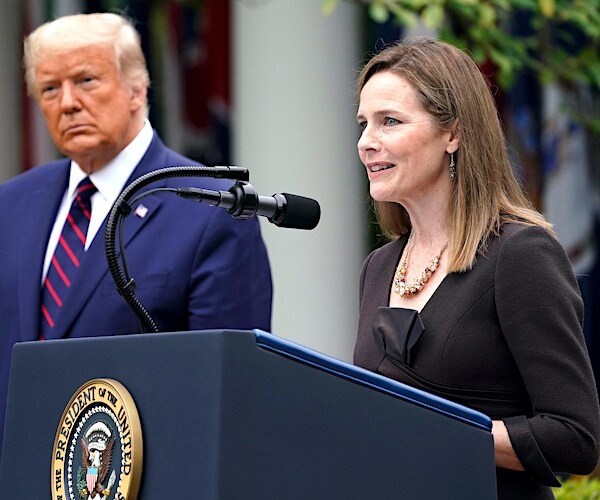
486, 192
80, 30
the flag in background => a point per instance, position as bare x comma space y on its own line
188, 52
200, 39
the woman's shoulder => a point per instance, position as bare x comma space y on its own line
523, 230
524, 236
530, 250
517, 245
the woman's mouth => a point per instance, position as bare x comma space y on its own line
378, 167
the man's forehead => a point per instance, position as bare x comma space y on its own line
78, 60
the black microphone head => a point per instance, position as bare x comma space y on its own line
300, 213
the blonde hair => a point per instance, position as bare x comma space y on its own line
486, 191
80, 30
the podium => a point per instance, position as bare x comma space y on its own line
246, 415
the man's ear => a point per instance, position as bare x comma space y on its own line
139, 94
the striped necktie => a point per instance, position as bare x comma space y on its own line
67, 257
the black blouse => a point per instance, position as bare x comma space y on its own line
504, 338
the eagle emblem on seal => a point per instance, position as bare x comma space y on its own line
96, 455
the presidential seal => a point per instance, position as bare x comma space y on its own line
98, 447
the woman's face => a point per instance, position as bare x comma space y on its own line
402, 148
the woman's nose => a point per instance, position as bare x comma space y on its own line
368, 139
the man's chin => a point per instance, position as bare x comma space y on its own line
89, 154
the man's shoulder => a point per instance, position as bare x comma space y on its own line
160, 156
40, 174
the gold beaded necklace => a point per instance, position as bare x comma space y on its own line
400, 286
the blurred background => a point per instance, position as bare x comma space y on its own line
269, 85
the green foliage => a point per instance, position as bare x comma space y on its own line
578, 488
481, 27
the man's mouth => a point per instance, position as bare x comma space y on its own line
74, 128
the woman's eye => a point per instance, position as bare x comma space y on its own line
391, 121
362, 125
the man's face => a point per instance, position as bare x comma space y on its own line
91, 112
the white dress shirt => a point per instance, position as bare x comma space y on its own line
109, 180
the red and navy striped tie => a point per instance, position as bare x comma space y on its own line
67, 257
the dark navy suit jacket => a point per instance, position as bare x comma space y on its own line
195, 266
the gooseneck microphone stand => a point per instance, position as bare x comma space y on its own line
125, 284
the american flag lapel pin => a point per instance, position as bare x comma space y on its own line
141, 211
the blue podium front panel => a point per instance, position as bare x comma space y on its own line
244, 415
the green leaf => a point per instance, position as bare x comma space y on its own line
328, 6
525, 4
588, 22
503, 62
433, 16
414, 5
487, 15
478, 54
580, 488
480, 27
547, 7
404, 16
379, 13
466, 12
479, 35
503, 4
594, 72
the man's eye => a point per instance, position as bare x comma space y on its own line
362, 125
49, 90
84, 80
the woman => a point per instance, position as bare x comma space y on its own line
474, 298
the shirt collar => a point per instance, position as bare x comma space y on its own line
111, 179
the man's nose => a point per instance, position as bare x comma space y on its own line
69, 98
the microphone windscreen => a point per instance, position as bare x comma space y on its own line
300, 213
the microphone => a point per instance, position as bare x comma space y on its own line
242, 202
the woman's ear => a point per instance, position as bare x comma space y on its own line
453, 139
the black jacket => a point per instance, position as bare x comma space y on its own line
504, 338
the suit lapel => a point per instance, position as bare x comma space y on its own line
94, 266
38, 218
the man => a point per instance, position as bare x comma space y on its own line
195, 266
